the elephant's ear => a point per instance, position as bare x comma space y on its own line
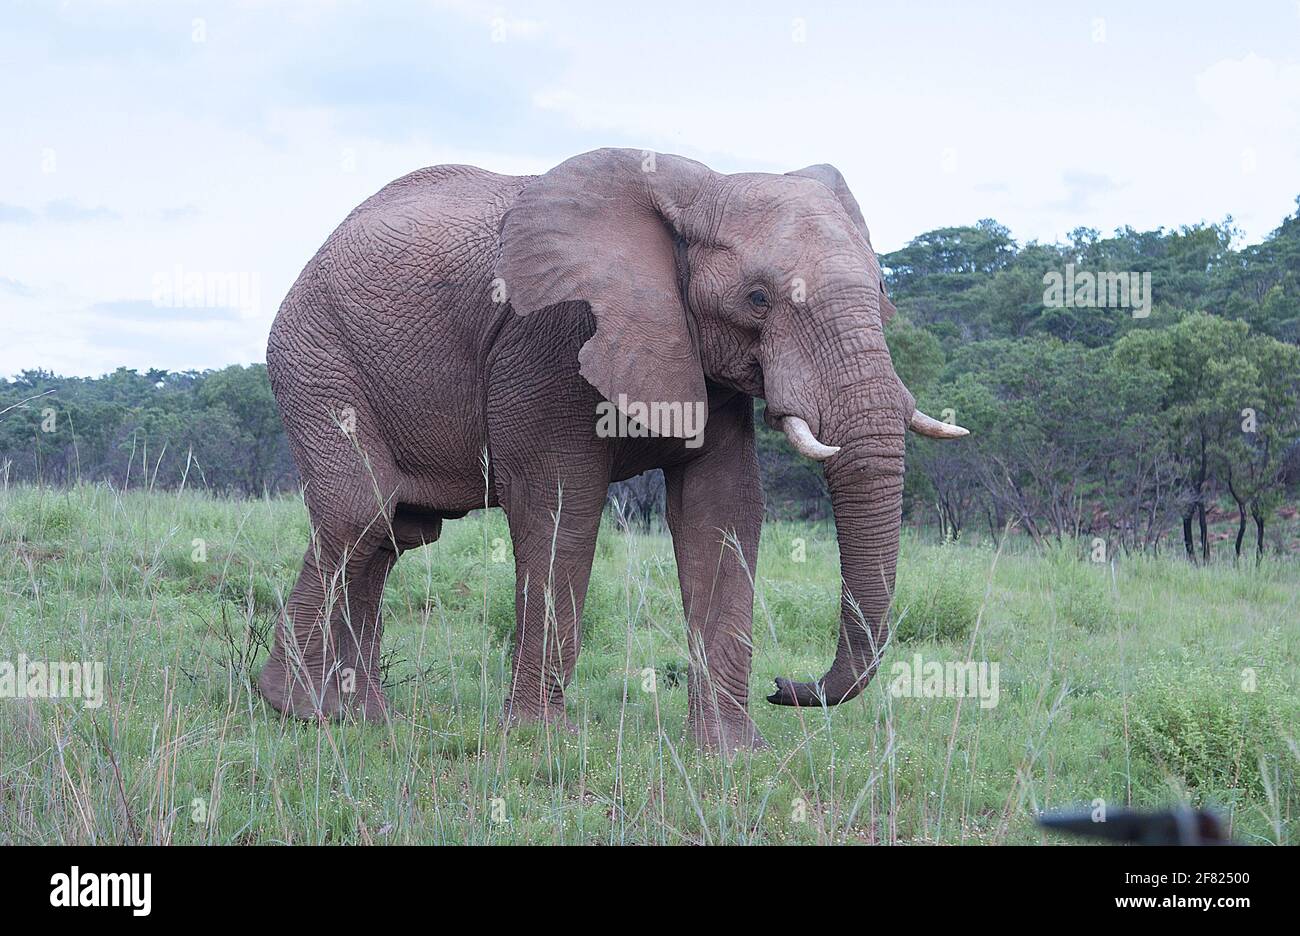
887, 308
833, 179
603, 228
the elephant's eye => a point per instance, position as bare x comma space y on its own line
759, 299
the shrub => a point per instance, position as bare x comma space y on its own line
1085, 604
55, 518
1080, 591
939, 601
1201, 726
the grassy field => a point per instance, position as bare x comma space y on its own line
1140, 682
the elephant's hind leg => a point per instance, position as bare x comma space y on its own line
326, 656
326, 660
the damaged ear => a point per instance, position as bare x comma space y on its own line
887, 308
604, 228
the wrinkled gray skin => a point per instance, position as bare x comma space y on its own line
396, 363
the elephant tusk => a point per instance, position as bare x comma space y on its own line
802, 438
928, 426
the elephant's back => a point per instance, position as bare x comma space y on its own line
419, 250
411, 268
448, 191
440, 216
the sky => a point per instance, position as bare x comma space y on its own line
144, 143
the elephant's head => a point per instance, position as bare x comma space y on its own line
764, 283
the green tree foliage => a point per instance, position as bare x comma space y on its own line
218, 429
1093, 421
1260, 284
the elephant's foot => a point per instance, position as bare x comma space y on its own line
718, 717
370, 705
550, 714
292, 691
727, 737
302, 694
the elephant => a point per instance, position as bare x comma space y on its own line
462, 337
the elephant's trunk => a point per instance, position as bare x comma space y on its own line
866, 486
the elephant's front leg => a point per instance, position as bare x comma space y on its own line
553, 524
715, 510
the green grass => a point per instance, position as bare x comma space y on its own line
1126, 684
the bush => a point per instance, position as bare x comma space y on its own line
938, 601
1202, 727
1086, 605
1080, 591
54, 518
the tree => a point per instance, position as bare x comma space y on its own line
1260, 385
127, 427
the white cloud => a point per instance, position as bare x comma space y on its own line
1253, 93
